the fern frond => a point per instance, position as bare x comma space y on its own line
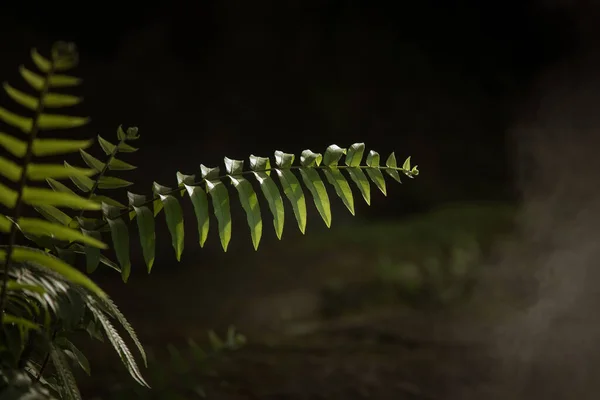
68, 385
211, 189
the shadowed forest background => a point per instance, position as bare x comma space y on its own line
467, 88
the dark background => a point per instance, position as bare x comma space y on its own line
439, 80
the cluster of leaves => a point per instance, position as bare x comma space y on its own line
44, 296
182, 372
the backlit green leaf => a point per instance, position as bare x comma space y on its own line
13, 145
145, 223
391, 163
315, 185
220, 201
107, 146
108, 200
56, 121
92, 161
39, 227
260, 164
84, 183
249, 201
359, 177
270, 191
125, 148
61, 81
406, 165
92, 254
21, 98
118, 165
200, 203
310, 159
26, 254
74, 353
354, 154
40, 172
174, 216
291, 187
111, 182
120, 239
8, 197
341, 186
22, 123
332, 155
58, 186
47, 147
53, 214
9, 169
43, 64
5, 224
374, 172
22, 322
39, 197
58, 100
34, 80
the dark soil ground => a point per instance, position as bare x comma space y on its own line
325, 320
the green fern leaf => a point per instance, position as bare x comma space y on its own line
5, 224
92, 253
118, 315
248, 198
59, 100
332, 155
13, 145
111, 182
40, 172
119, 344
374, 172
391, 163
291, 187
315, 185
34, 80
54, 121
39, 197
22, 123
92, 161
354, 157
21, 98
10, 169
53, 214
334, 176
59, 187
70, 350
43, 64
84, 183
48, 147
406, 165
9, 319
108, 200
68, 385
26, 254
40, 227
261, 167
109, 148
145, 223
118, 165
62, 81
120, 238
200, 204
342, 188
173, 215
220, 200
8, 197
